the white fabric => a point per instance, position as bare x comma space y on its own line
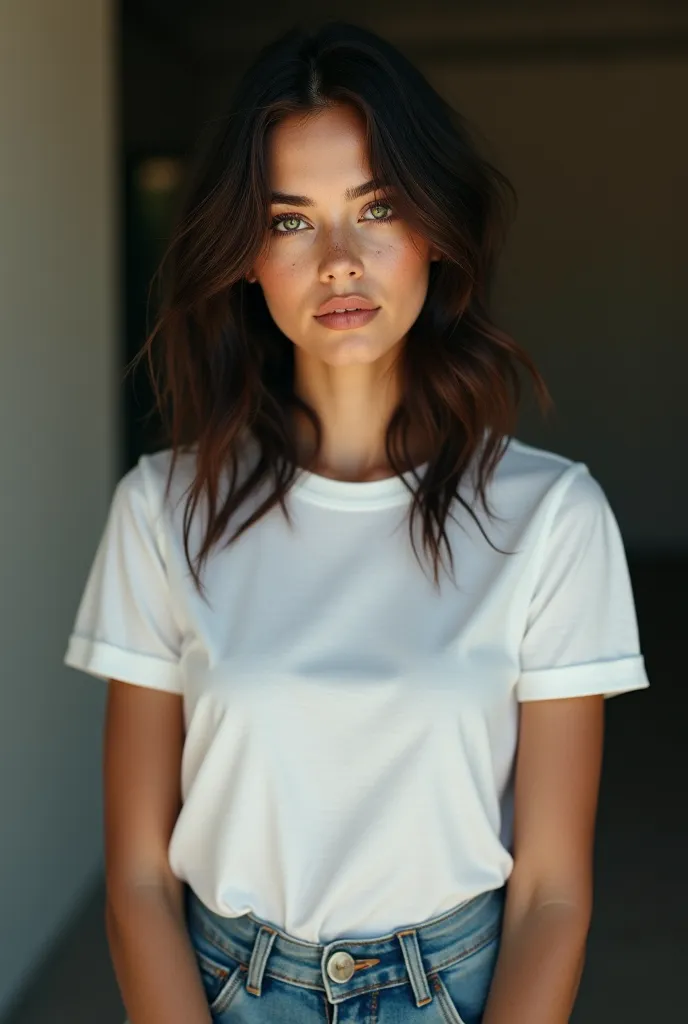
350, 731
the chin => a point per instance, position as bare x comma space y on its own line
353, 349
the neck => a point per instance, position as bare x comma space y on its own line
351, 462
354, 404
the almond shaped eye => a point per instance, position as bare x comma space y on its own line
380, 205
286, 221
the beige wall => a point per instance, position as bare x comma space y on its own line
58, 434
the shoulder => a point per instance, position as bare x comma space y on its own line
525, 468
543, 487
527, 464
140, 497
147, 479
161, 480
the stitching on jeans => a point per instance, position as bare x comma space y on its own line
216, 942
373, 1005
448, 1009
483, 941
227, 993
210, 965
314, 987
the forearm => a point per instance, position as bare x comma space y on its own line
539, 966
153, 958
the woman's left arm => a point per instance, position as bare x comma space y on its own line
549, 893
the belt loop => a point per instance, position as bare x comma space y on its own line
259, 956
414, 966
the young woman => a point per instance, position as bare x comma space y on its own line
340, 787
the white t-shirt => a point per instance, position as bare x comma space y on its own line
350, 731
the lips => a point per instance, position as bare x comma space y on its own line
349, 320
345, 302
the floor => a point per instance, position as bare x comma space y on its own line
638, 946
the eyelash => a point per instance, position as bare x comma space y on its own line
297, 216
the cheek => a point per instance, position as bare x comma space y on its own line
405, 269
404, 256
282, 281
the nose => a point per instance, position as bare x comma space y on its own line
340, 262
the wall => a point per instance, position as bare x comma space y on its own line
592, 282
58, 452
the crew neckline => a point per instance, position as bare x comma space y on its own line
354, 494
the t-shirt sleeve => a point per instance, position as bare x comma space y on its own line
124, 627
581, 636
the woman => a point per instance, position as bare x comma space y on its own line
338, 787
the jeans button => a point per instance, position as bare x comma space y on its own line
340, 966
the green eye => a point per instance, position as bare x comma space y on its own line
285, 218
294, 219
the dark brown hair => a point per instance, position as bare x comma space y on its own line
226, 370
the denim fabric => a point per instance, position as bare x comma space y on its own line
437, 971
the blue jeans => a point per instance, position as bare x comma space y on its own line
437, 971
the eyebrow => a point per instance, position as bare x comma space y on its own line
350, 194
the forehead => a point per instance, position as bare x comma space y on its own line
306, 153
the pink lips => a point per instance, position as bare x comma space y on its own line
348, 301
345, 321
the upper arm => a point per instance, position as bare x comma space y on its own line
581, 636
128, 627
580, 645
143, 741
557, 776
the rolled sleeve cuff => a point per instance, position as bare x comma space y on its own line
610, 678
109, 662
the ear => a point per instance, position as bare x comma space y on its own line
435, 254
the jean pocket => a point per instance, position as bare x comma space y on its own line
222, 974
462, 988
450, 1013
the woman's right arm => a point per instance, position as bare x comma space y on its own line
151, 951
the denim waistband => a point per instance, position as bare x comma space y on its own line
345, 966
